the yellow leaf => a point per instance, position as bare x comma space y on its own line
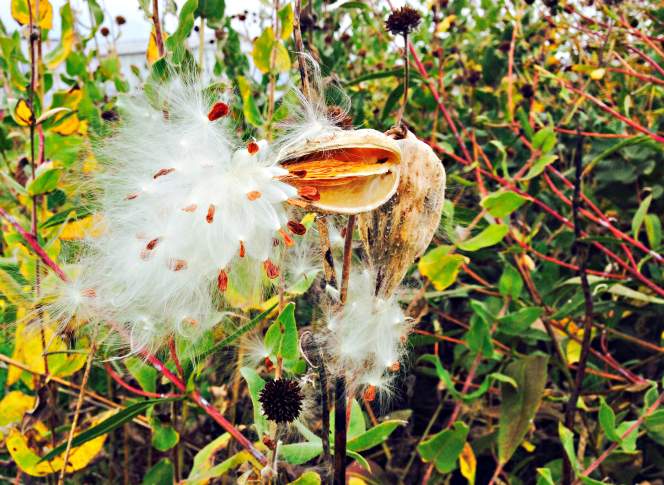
66, 123
468, 463
441, 266
152, 54
14, 406
23, 114
29, 461
67, 37
597, 74
22, 14
528, 446
87, 227
28, 350
447, 22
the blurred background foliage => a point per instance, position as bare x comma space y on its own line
512, 95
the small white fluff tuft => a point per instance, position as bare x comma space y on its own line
365, 339
180, 204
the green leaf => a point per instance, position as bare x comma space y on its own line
478, 336
607, 420
12, 290
286, 21
444, 447
175, 43
544, 140
489, 236
164, 436
67, 37
510, 282
307, 478
161, 473
653, 230
212, 10
654, 426
107, 425
518, 406
145, 375
266, 61
46, 180
544, 477
502, 204
79, 212
375, 435
640, 214
251, 113
518, 322
567, 440
524, 122
256, 384
354, 4
205, 458
281, 336
299, 453
441, 267
540, 164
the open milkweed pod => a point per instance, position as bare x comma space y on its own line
395, 234
343, 171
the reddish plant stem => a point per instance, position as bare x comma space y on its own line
135, 390
159, 39
592, 134
647, 58
34, 245
174, 357
642, 77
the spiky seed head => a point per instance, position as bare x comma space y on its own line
403, 20
281, 400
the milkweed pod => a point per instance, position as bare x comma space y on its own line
352, 171
397, 233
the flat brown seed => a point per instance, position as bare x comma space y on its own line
152, 244
132, 196
287, 239
209, 217
309, 193
299, 173
242, 251
254, 195
222, 280
296, 228
219, 110
162, 172
271, 269
177, 264
190, 208
252, 147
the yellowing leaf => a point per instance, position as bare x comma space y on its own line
152, 54
447, 22
54, 58
23, 114
14, 406
468, 463
286, 20
597, 74
29, 461
269, 54
87, 227
441, 266
28, 350
528, 446
22, 13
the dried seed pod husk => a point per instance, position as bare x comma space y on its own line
343, 171
397, 233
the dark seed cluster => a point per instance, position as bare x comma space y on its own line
403, 20
281, 400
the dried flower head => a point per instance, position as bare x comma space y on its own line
281, 400
403, 20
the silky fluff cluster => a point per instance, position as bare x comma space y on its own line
365, 339
181, 208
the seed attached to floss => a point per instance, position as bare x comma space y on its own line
222, 281
296, 228
299, 173
89, 293
369, 393
252, 147
219, 110
271, 269
209, 217
395, 367
132, 196
152, 244
242, 251
162, 172
254, 195
190, 208
287, 239
177, 264
309, 193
